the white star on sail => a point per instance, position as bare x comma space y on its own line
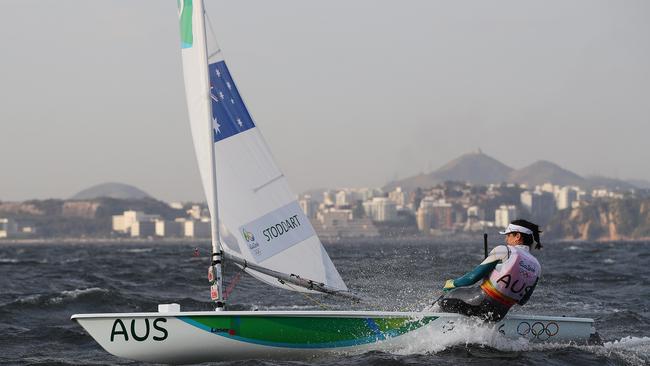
232, 101
217, 125
228, 85
218, 73
221, 95
240, 123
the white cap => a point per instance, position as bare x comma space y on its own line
516, 229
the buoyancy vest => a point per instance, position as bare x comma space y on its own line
516, 275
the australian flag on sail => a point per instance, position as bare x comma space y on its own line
229, 114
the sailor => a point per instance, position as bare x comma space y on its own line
509, 275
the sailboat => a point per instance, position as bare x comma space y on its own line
257, 224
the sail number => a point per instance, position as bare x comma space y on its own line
139, 332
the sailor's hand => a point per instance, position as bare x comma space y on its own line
449, 285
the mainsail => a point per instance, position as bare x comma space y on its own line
259, 218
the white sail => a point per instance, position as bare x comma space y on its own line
260, 219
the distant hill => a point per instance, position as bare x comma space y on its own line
476, 168
111, 190
640, 183
479, 168
543, 171
611, 183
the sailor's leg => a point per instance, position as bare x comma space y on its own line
492, 310
463, 300
472, 301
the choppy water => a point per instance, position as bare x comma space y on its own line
42, 285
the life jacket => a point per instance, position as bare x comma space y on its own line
514, 277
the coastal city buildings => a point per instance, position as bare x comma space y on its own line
380, 209
335, 223
124, 223
436, 214
441, 210
447, 208
138, 224
504, 215
174, 229
12, 229
444, 209
308, 206
8, 228
197, 228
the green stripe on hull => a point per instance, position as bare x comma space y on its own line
307, 332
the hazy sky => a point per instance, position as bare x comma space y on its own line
347, 93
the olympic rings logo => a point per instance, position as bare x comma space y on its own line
538, 330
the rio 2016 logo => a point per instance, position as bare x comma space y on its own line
248, 236
250, 241
538, 330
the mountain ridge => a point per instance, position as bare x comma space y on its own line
482, 169
474, 167
111, 190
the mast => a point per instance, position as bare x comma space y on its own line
216, 290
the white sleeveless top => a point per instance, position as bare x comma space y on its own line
514, 276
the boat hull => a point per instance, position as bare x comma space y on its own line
190, 337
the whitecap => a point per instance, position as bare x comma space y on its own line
73, 294
61, 297
136, 250
30, 299
632, 350
470, 331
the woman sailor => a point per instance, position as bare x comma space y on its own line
509, 275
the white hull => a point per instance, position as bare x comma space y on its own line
189, 337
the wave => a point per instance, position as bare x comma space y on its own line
72, 260
15, 261
63, 296
467, 343
136, 250
634, 349
76, 293
629, 350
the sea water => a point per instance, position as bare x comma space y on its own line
41, 285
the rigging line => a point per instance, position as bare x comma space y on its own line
294, 279
212, 32
256, 189
318, 303
231, 285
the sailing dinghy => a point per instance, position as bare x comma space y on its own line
258, 225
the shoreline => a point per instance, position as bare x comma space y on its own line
346, 241
99, 241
